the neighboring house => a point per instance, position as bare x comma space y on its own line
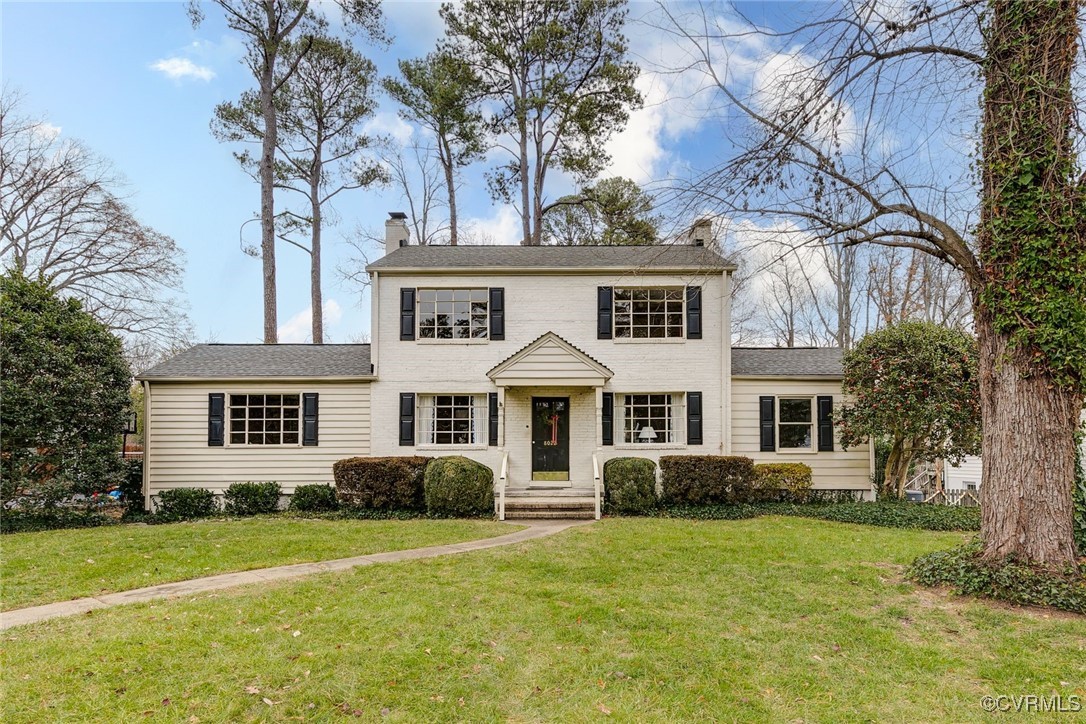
542, 362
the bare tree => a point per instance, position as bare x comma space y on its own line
266, 26
860, 127
62, 219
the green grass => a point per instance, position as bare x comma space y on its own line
771, 619
64, 564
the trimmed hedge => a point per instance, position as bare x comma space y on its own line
185, 503
390, 483
781, 482
914, 516
1007, 580
458, 487
629, 485
251, 498
705, 479
314, 498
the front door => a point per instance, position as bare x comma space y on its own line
550, 438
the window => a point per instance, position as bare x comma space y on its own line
971, 486
264, 419
794, 427
648, 313
649, 419
453, 313
452, 419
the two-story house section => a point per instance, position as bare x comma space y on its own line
540, 362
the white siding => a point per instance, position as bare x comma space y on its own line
837, 470
178, 455
957, 476
535, 305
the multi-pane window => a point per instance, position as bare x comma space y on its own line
648, 419
452, 419
794, 427
452, 313
648, 313
264, 419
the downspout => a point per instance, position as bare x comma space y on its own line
375, 322
726, 364
146, 444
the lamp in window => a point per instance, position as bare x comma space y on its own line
647, 434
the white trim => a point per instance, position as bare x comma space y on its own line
553, 270
254, 380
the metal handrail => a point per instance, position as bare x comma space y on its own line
596, 482
502, 480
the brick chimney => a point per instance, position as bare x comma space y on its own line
396, 231
701, 233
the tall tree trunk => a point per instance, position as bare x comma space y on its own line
525, 189
450, 184
316, 298
1028, 454
267, 203
1029, 228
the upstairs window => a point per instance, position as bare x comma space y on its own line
264, 419
453, 314
795, 424
648, 313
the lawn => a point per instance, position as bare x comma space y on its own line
770, 619
59, 565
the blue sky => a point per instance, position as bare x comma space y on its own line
138, 84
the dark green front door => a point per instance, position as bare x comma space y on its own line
550, 438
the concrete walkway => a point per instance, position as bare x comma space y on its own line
22, 616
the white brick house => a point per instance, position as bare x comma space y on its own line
540, 362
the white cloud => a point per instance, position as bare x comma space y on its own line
503, 227
46, 130
299, 328
391, 125
182, 68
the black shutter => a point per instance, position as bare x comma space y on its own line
407, 418
693, 418
497, 313
608, 418
604, 303
309, 419
407, 314
693, 312
216, 417
825, 424
493, 410
767, 421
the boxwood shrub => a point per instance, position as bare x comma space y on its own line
782, 482
1007, 580
185, 503
252, 498
316, 498
458, 487
705, 479
629, 485
390, 483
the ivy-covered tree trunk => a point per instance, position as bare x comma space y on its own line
1028, 453
1029, 310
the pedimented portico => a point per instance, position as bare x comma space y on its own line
550, 361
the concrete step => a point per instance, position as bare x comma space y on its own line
549, 514
550, 502
549, 492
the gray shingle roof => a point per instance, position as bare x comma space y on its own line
663, 256
786, 362
220, 361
